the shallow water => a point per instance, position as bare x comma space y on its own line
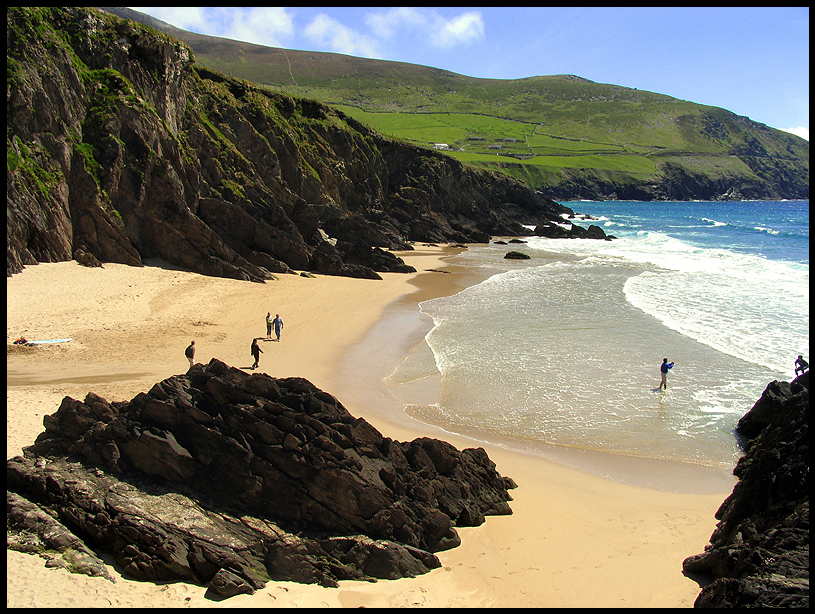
559, 355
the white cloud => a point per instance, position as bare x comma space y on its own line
266, 25
274, 26
325, 30
800, 131
384, 25
191, 18
464, 29
430, 27
269, 26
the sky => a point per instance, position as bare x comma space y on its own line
753, 61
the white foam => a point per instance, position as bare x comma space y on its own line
714, 222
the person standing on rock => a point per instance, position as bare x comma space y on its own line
190, 353
801, 365
269, 324
278, 325
256, 352
663, 369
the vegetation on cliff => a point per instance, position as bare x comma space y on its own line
121, 148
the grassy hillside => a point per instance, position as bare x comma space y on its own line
558, 126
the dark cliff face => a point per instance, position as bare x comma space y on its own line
759, 553
121, 149
771, 180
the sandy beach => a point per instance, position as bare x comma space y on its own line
574, 539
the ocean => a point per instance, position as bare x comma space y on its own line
562, 351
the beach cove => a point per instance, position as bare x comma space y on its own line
574, 539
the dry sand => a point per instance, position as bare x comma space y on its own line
574, 539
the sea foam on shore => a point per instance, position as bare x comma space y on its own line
404, 385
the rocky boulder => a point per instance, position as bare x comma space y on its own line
226, 478
554, 230
759, 553
516, 256
377, 258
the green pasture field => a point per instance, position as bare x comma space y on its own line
425, 127
456, 128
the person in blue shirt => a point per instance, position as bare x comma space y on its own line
664, 370
278, 325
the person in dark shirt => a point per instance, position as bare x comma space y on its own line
663, 369
190, 353
801, 365
256, 352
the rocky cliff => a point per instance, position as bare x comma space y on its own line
229, 479
759, 553
121, 148
766, 178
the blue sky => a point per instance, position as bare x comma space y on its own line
752, 61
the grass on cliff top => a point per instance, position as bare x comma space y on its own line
478, 139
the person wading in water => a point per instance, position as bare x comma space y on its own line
663, 369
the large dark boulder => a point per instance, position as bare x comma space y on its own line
759, 553
227, 478
516, 256
360, 252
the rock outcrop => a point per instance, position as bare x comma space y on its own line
556, 230
226, 478
121, 148
759, 553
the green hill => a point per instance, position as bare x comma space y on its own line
571, 137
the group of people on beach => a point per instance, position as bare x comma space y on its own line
801, 365
276, 323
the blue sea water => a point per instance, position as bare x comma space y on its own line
564, 349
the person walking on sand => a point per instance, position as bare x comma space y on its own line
801, 365
278, 325
190, 353
268, 324
664, 371
256, 352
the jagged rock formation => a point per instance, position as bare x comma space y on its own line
768, 177
759, 553
120, 148
557, 231
226, 478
